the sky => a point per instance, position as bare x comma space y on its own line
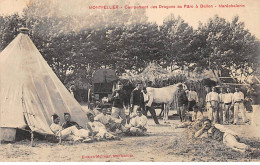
250, 14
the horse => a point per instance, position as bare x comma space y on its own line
165, 95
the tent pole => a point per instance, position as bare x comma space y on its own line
32, 137
60, 137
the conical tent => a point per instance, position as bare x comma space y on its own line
30, 92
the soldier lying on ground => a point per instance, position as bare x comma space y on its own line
229, 139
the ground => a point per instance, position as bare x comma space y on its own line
164, 143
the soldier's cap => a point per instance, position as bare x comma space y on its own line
89, 114
55, 116
66, 114
138, 109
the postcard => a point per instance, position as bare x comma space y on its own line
130, 80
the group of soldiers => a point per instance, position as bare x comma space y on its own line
222, 107
102, 125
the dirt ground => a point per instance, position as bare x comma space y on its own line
164, 143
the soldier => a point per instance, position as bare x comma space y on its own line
227, 104
119, 100
182, 103
221, 107
238, 103
137, 99
213, 100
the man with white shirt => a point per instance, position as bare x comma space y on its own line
213, 99
238, 103
69, 133
254, 92
192, 98
110, 123
227, 104
138, 123
221, 107
207, 101
99, 130
148, 99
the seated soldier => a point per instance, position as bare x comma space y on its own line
99, 130
229, 139
110, 123
197, 114
95, 111
68, 123
197, 117
138, 124
70, 133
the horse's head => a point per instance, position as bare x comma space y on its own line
184, 86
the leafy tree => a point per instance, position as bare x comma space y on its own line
220, 44
177, 36
133, 47
9, 29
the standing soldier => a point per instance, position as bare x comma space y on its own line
137, 99
207, 101
149, 105
182, 103
192, 98
119, 100
213, 100
238, 103
221, 108
255, 96
227, 104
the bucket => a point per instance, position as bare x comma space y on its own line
7, 134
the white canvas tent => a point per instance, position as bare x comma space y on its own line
30, 92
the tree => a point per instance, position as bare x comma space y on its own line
177, 36
220, 44
133, 47
9, 29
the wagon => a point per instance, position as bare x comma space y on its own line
104, 81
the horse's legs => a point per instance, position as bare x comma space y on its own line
166, 111
162, 110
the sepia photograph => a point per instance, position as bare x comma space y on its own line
130, 80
